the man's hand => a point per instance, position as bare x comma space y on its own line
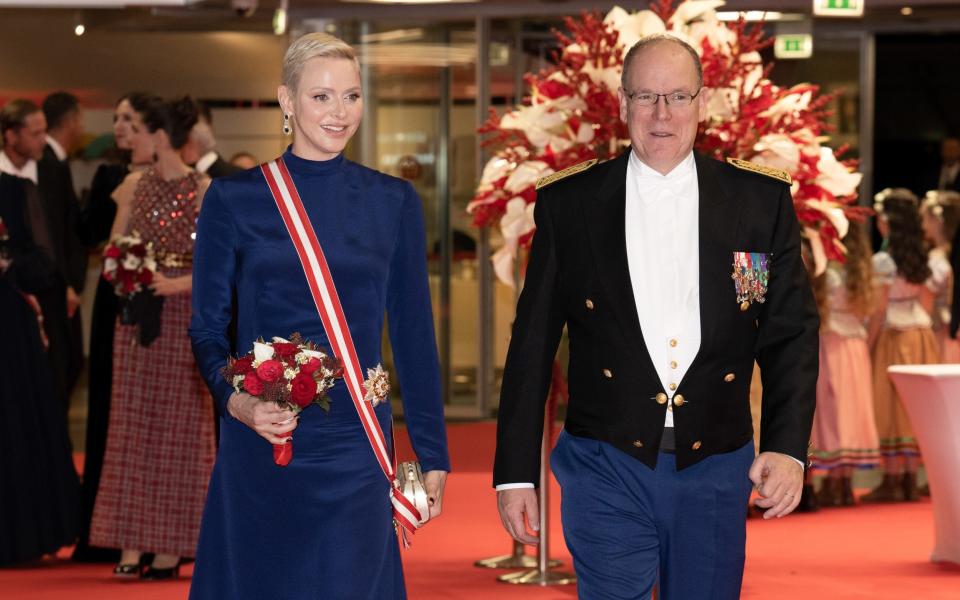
73, 301
520, 514
779, 479
435, 481
266, 418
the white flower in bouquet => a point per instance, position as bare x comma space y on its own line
262, 352
131, 262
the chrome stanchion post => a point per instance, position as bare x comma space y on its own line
542, 575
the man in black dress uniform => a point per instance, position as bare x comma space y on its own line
672, 272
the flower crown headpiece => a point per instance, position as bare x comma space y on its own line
880, 197
933, 203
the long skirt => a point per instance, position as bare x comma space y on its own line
318, 529
949, 347
39, 488
916, 346
160, 443
844, 428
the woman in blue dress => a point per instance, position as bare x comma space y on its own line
322, 526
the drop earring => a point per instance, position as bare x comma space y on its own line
286, 124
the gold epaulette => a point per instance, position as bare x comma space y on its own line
746, 165
577, 168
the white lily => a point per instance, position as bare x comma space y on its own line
834, 213
516, 222
777, 150
834, 176
525, 175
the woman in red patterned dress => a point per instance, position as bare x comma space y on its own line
160, 441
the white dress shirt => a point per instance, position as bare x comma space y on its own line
663, 251
57, 149
27, 171
205, 162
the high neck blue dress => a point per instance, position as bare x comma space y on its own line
320, 527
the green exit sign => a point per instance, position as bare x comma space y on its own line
793, 45
838, 8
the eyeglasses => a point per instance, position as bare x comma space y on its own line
672, 99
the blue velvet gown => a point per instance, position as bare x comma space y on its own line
320, 527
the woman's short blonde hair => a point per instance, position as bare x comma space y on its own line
313, 45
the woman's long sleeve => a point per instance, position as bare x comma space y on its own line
214, 268
410, 320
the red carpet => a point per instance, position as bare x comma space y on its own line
868, 552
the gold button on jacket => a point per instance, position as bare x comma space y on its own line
696, 445
661, 398
638, 443
607, 373
678, 400
589, 304
729, 377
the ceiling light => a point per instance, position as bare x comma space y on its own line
79, 30
906, 11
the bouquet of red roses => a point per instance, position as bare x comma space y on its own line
130, 265
292, 373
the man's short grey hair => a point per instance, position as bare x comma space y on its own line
659, 38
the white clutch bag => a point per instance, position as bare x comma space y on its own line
410, 480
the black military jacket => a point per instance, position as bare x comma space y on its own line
578, 277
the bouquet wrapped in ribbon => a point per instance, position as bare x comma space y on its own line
129, 265
291, 373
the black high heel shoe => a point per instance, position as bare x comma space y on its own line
130, 570
151, 573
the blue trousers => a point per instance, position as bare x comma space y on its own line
629, 527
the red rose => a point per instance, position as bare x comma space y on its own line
285, 350
304, 390
145, 277
252, 384
138, 250
243, 365
311, 366
270, 370
111, 252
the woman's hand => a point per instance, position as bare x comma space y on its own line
266, 418
435, 481
170, 286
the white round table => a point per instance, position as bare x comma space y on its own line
931, 397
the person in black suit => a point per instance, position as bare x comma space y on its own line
64, 131
636, 256
39, 488
200, 150
948, 178
24, 135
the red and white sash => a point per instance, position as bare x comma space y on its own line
334, 321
